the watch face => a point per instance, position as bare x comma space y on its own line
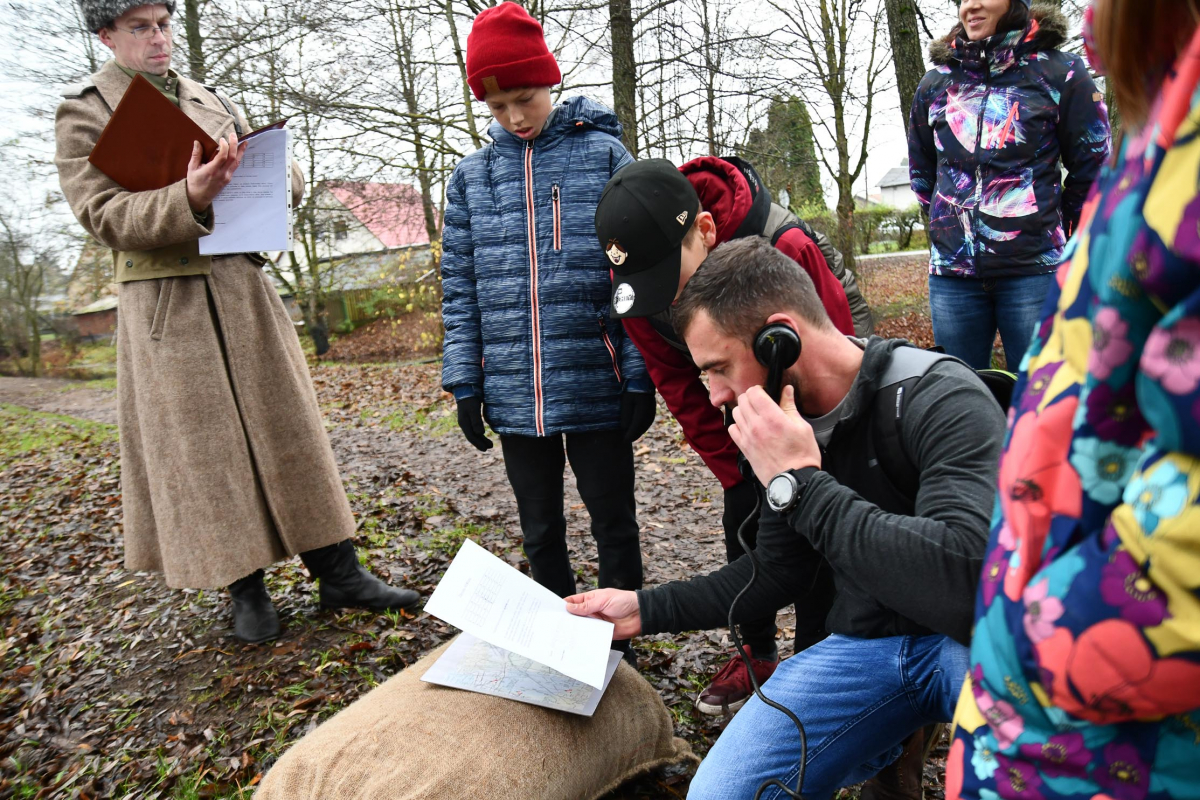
780, 490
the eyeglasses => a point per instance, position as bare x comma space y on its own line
147, 31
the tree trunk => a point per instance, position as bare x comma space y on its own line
624, 71
1114, 116
906, 51
35, 343
845, 218
710, 89
317, 325
195, 42
462, 70
409, 76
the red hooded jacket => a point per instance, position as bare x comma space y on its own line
725, 193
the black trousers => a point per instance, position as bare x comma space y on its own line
759, 633
603, 465
811, 608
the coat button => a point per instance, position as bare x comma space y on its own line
129, 263
183, 260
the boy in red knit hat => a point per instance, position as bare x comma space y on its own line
530, 345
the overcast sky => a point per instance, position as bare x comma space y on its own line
887, 148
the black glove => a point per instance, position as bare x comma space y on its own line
739, 504
470, 419
637, 413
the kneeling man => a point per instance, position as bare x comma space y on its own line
905, 564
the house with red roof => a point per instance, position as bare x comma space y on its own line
356, 217
367, 236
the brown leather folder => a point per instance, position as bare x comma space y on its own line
147, 143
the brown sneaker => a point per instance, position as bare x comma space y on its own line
731, 687
902, 779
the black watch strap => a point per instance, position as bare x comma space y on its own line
800, 478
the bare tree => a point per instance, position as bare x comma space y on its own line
906, 51
195, 41
846, 63
456, 43
29, 252
412, 71
624, 71
705, 76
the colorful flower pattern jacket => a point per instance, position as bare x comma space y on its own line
1085, 661
989, 128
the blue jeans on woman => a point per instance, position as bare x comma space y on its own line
858, 700
968, 311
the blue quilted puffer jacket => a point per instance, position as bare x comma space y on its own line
525, 284
990, 127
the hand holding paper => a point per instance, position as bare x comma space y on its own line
252, 212
205, 181
618, 606
490, 600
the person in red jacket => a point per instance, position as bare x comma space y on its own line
657, 225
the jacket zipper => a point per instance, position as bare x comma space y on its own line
987, 91
556, 195
612, 351
531, 233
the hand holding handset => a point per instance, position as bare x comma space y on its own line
777, 347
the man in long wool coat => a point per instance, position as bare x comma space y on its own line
225, 464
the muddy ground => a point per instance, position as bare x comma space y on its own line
112, 685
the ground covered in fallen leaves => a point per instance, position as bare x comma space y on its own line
112, 685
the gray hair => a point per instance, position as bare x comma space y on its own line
743, 282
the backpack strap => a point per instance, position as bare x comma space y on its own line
886, 446
779, 232
237, 128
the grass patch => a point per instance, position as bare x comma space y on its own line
449, 540
23, 431
97, 384
435, 420
900, 305
96, 355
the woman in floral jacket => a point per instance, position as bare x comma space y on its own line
1085, 678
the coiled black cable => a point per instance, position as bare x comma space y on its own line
737, 641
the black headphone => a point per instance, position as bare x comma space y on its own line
777, 347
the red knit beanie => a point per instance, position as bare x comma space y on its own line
507, 50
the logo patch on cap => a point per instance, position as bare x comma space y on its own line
617, 255
623, 298
682, 218
490, 84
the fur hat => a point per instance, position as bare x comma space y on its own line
99, 14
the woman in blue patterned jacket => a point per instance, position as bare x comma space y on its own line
529, 341
991, 125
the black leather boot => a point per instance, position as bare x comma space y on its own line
254, 617
345, 583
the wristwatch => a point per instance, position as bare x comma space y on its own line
786, 488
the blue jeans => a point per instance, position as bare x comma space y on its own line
858, 700
967, 311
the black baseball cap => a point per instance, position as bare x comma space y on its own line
644, 213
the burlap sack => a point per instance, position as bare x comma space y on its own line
408, 740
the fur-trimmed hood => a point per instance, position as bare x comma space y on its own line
1051, 33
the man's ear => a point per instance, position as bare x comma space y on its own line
105, 35
707, 226
791, 320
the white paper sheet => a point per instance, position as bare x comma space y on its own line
254, 212
473, 664
493, 601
